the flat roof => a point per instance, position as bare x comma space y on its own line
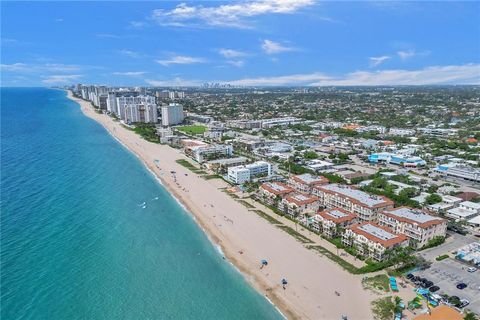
337, 215
411, 215
358, 195
377, 232
462, 213
276, 187
300, 198
308, 178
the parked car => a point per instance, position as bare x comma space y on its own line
472, 269
463, 303
461, 285
434, 288
410, 276
427, 284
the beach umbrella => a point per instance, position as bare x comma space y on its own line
284, 281
264, 262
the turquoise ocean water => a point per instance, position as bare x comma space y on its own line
76, 242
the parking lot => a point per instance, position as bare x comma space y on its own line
453, 242
448, 273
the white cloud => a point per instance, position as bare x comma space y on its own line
236, 63
107, 35
31, 68
130, 53
376, 61
14, 67
435, 75
271, 47
61, 79
136, 24
180, 60
230, 53
175, 82
59, 20
281, 80
228, 15
130, 73
407, 54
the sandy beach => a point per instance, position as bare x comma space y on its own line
245, 238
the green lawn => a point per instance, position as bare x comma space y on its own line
379, 282
192, 129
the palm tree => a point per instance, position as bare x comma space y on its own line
470, 316
397, 301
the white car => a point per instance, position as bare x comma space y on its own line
472, 269
464, 303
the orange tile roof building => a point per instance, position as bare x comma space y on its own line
365, 206
271, 192
299, 205
305, 182
329, 221
372, 240
419, 226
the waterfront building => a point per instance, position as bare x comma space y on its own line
242, 174
172, 114
330, 222
365, 206
299, 205
419, 226
372, 240
272, 192
305, 182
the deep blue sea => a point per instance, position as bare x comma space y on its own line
76, 242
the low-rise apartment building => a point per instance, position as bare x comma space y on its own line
365, 206
328, 222
299, 205
272, 192
419, 226
305, 182
209, 152
242, 174
466, 210
372, 240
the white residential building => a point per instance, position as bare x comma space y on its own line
132, 103
401, 132
172, 114
372, 240
209, 152
299, 205
417, 225
328, 221
466, 210
271, 191
242, 174
365, 206
305, 182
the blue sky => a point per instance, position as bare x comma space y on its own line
258, 42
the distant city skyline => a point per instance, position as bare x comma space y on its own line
244, 43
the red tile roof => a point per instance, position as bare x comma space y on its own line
396, 239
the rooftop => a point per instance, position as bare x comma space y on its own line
276, 187
337, 215
357, 195
300, 198
415, 216
308, 178
378, 234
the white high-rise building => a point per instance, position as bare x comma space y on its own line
172, 114
136, 105
141, 113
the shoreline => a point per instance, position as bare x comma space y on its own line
309, 295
